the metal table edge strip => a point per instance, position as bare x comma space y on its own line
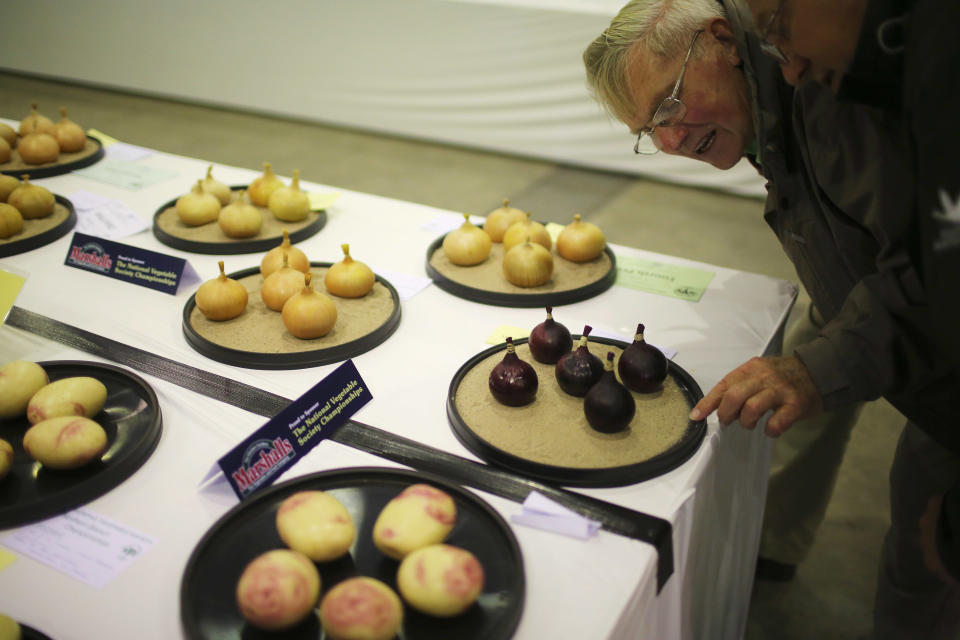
614, 518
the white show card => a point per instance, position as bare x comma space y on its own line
124, 151
105, 217
124, 174
541, 512
406, 285
82, 544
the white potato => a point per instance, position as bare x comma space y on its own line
316, 524
66, 442
78, 396
19, 380
278, 589
420, 516
440, 580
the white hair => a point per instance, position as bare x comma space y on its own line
665, 27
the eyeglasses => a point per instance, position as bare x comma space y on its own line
670, 112
767, 47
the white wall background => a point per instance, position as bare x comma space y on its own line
502, 75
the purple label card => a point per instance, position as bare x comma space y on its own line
272, 449
131, 264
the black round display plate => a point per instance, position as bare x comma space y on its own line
299, 360
61, 167
131, 417
230, 246
45, 238
29, 633
585, 477
533, 299
207, 595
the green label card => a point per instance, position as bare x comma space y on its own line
10, 285
686, 283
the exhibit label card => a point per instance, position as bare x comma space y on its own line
130, 264
259, 460
82, 544
125, 174
10, 285
686, 283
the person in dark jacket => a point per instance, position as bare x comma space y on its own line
903, 57
685, 82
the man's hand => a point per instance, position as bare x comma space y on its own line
781, 384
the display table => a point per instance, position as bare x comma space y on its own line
601, 588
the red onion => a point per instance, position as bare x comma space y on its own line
642, 367
549, 340
578, 370
608, 405
513, 382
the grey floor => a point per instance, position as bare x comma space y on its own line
831, 597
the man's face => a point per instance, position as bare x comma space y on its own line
717, 125
818, 37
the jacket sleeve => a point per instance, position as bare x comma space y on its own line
948, 532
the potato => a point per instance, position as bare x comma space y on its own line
19, 380
278, 589
9, 628
440, 580
420, 516
80, 396
6, 462
66, 442
316, 524
361, 609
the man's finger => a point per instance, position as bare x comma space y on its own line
757, 405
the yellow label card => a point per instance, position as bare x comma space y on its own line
10, 285
501, 333
686, 283
554, 230
104, 139
320, 201
6, 559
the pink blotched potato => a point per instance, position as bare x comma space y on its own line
78, 396
278, 589
420, 516
440, 580
361, 608
316, 524
6, 458
66, 442
19, 380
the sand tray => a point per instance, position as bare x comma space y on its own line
210, 239
550, 439
485, 282
38, 232
258, 339
92, 152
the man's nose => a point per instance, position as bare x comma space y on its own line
795, 70
670, 139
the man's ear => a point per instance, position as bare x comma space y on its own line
721, 31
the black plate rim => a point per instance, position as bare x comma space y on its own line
576, 477
104, 482
522, 300
298, 360
60, 169
42, 239
363, 474
30, 633
233, 247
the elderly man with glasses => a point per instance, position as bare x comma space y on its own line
688, 79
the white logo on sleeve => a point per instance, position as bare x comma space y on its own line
948, 223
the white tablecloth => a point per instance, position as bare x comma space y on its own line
602, 588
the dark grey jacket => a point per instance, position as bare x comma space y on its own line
837, 188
